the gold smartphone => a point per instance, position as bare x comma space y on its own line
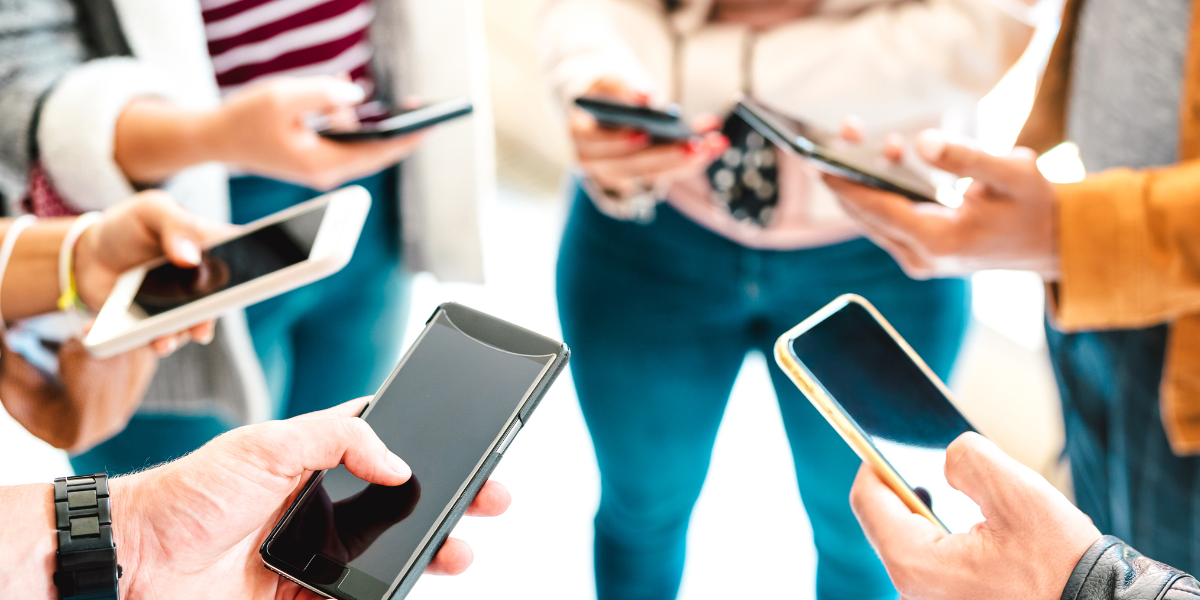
884, 401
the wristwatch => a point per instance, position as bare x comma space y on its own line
87, 556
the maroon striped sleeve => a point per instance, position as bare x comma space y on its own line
291, 60
232, 9
313, 15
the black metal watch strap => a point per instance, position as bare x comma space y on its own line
87, 566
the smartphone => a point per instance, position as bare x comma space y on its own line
450, 409
861, 163
664, 126
268, 257
884, 401
377, 122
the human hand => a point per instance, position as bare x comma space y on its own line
1007, 219
145, 227
194, 526
1027, 546
625, 162
264, 129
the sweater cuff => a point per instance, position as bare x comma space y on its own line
1102, 245
77, 125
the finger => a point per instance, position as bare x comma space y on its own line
706, 123
894, 213
346, 409
852, 129
453, 559
178, 231
889, 525
204, 333
323, 443
165, 346
893, 147
995, 481
316, 94
961, 160
618, 89
491, 501
607, 144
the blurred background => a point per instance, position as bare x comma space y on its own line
749, 535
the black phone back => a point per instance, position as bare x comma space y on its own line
663, 126
450, 409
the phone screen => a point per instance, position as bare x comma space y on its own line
231, 263
446, 404
895, 404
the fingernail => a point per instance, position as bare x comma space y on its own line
187, 251
398, 466
931, 144
344, 92
638, 138
172, 346
693, 146
208, 338
641, 97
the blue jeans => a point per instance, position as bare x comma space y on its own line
660, 318
1125, 476
320, 345
336, 339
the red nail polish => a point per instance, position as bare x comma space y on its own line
638, 138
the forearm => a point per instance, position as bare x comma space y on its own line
27, 551
154, 140
31, 285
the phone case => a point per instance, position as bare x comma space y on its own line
846, 427
664, 126
493, 332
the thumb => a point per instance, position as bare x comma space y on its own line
966, 161
313, 444
178, 231
995, 481
619, 90
318, 94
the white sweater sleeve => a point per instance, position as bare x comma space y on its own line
77, 123
892, 64
584, 40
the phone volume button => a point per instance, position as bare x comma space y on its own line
512, 433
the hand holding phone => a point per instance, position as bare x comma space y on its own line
627, 162
458, 398
884, 401
245, 265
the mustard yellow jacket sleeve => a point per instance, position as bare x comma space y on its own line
1130, 248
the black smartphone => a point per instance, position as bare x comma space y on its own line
378, 122
450, 409
884, 401
664, 126
860, 163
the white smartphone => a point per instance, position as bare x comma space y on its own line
260, 260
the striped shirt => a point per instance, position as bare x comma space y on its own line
252, 39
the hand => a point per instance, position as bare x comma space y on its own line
760, 15
624, 162
194, 526
263, 129
140, 229
1007, 219
1027, 546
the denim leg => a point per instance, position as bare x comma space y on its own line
335, 339
656, 347
931, 315
1126, 477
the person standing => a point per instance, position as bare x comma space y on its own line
113, 95
679, 259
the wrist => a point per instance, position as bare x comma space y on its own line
126, 530
155, 139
